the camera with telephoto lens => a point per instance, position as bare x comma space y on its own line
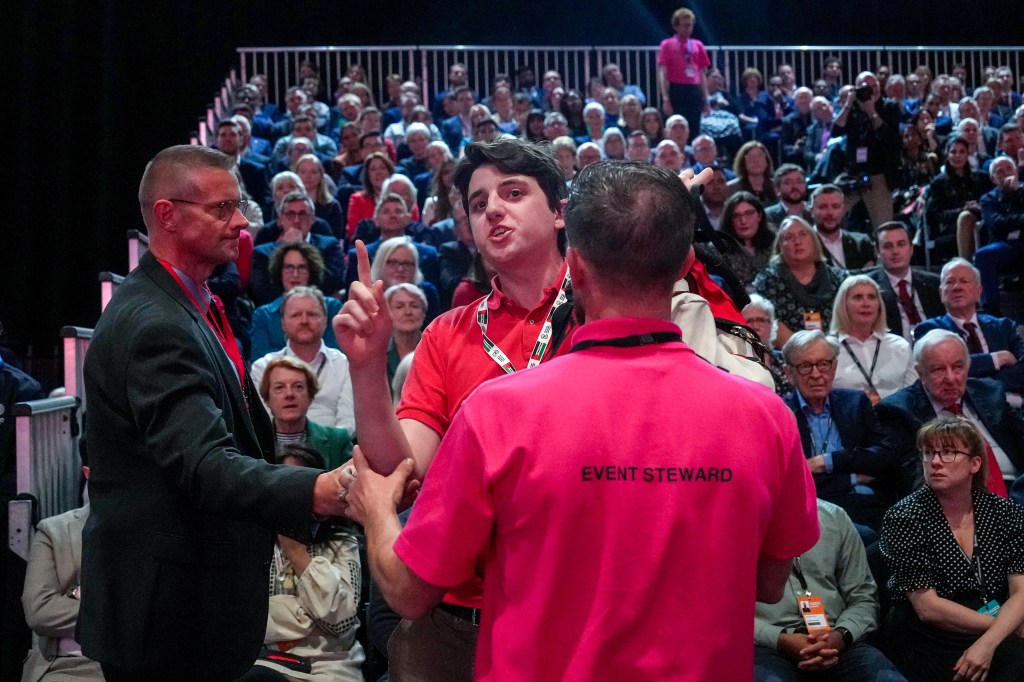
863, 92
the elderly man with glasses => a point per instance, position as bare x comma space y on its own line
843, 441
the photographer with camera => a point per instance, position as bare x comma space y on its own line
871, 126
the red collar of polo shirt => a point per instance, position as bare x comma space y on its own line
618, 327
499, 298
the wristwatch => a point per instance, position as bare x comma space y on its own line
847, 636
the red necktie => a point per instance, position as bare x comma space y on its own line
973, 341
994, 482
907, 301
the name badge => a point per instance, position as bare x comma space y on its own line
874, 397
691, 72
990, 609
813, 613
862, 154
812, 320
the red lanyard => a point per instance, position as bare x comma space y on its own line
219, 325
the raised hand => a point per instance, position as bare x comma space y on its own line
363, 327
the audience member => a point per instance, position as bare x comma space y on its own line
1002, 216
713, 198
791, 188
293, 264
254, 176
572, 109
613, 197
458, 77
456, 129
995, 345
407, 306
667, 155
955, 553
314, 181
791, 643
630, 114
612, 76
756, 110
51, 597
564, 148
842, 438
438, 206
760, 317
952, 210
875, 362
377, 168
588, 153
843, 249
753, 169
614, 144
295, 221
288, 387
391, 220
744, 219
455, 256
555, 125
400, 185
798, 280
910, 294
871, 125
303, 125
795, 125
819, 132
705, 155
944, 389
314, 599
283, 184
304, 320
398, 259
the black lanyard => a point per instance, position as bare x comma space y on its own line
798, 572
631, 341
874, 361
975, 562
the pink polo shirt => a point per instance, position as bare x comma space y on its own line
676, 55
616, 501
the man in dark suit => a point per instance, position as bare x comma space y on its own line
995, 344
819, 132
795, 125
184, 504
458, 128
791, 188
910, 295
1002, 215
843, 441
295, 222
843, 249
944, 390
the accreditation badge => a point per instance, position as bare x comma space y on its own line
812, 320
812, 610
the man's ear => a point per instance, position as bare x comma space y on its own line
560, 215
577, 268
163, 214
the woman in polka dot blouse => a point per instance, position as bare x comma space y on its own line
956, 554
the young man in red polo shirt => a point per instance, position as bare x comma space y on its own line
609, 537
513, 192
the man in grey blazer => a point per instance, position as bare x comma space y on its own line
184, 500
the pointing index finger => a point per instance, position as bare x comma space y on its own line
363, 261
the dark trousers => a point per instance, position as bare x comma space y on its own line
860, 663
687, 101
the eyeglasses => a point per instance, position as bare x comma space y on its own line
295, 215
225, 209
805, 368
391, 263
945, 456
745, 214
295, 268
759, 320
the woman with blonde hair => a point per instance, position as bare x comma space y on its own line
872, 360
311, 171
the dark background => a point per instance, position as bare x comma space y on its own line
96, 92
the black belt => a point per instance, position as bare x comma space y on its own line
461, 612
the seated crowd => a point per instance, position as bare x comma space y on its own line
905, 384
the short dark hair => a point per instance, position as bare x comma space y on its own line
302, 118
365, 136
1006, 129
518, 156
889, 226
304, 453
764, 237
633, 222
785, 169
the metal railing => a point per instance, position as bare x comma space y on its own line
48, 467
138, 244
76, 344
428, 65
108, 285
